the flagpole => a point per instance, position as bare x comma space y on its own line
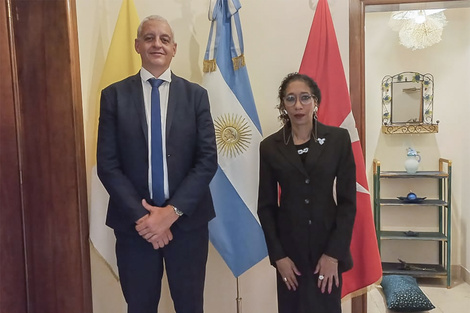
238, 300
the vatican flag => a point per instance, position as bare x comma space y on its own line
121, 62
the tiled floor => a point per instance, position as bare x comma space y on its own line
452, 300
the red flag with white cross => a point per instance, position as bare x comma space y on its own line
322, 62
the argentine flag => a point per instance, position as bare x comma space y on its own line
235, 232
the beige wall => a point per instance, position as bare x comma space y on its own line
275, 33
449, 63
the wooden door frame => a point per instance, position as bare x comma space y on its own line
357, 11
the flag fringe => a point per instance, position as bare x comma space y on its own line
209, 66
238, 62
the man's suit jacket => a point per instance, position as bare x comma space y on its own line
122, 153
307, 222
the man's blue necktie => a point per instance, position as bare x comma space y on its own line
156, 144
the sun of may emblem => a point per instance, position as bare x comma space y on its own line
233, 134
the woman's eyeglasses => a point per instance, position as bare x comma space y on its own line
305, 99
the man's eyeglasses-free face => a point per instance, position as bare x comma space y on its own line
305, 99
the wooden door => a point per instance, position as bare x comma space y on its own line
44, 258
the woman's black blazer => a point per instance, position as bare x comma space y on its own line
317, 205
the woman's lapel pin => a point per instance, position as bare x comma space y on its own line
321, 141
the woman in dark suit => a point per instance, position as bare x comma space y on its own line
308, 226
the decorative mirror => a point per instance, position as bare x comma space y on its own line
407, 104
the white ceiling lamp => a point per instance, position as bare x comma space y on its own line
418, 29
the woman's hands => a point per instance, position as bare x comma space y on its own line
327, 267
288, 272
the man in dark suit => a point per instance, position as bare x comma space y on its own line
159, 210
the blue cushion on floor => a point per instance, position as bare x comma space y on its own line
404, 295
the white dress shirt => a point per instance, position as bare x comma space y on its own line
164, 90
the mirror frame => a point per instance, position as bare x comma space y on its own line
424, 122
357, 12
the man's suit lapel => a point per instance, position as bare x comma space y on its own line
137, 98
172, 101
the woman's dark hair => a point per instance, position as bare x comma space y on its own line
312, 85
